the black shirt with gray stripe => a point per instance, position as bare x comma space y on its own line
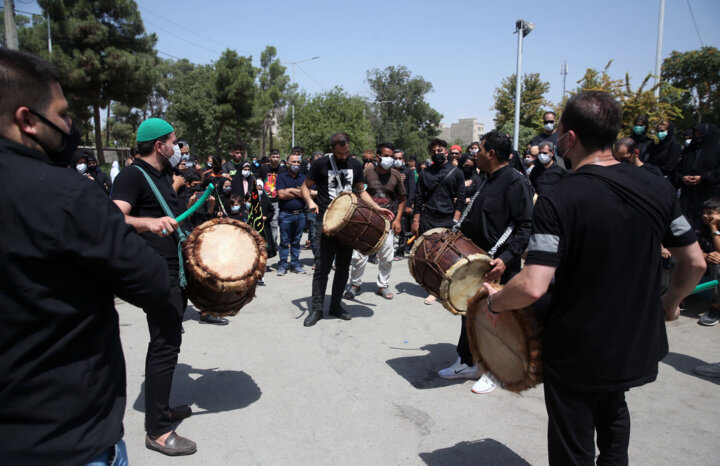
605, 326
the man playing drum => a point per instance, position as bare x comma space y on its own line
598, 232
144, 211
439, 195
503, 204
331, 176
385, 186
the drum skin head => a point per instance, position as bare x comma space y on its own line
511, 349
466, 278
228, 251
337, 212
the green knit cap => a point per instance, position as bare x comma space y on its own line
153, 128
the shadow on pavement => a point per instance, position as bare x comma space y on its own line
685, 364
413, 289
421, 370
211, 390
357, 310
478, 452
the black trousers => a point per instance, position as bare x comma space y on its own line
329, 249
405, 223
463, 345
573, 418
164, 324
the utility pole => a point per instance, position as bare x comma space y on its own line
564, 73
522, 29
11, 40
293, 63
49, 35
658, 54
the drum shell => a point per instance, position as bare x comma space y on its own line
511, 348
364, 229
211, 293
437, 256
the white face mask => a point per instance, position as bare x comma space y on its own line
245, 173
549, 126
474, 151
81, 168
386, 162
397, 163
544, 158
687, 142
176, 157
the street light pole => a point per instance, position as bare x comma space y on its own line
522, 29
293, 63
658, 53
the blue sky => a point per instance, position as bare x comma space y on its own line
464, 48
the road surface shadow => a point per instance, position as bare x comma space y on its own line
685, 364
477, 453
421, 370
210, 390
356, 310
413, 289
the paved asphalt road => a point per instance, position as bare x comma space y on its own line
266, 390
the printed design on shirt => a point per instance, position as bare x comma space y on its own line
269, 186
346, 178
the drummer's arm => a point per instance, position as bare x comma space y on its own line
143, 224
524, 289
305, 191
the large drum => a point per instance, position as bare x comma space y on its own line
224, 260
449, 266
511, 349
355, 224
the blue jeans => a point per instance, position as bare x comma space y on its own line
291, 230
116, 455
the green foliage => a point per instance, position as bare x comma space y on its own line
234, 94
320, 116
532, 102
400, 113
697, 72
273, 93
634, 102
525, 135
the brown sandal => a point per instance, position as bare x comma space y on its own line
353, 291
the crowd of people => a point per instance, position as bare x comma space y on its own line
633, 208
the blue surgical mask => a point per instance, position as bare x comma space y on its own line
227, 189
235, 209
638, 130
662, 135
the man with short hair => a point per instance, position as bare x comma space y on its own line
97, 174
238, 156
333, 175
627, 151
549, 135
385, 186
65, 252
454, 154
291, 216
146, 212
546, 172
503, 206
603, 332
439, 195
268, 174
409, 182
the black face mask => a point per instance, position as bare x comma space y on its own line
468, 171
61, 155
438, 158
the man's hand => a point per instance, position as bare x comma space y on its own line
713, 257
387, 213
691, 180
163, 226
665, 253
498, 268
312, 207
489, 315
396, 226
415, 227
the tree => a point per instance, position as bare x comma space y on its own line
400, 113
532, 102
319, 117
102, 52
634, 102
697, 72
234, 94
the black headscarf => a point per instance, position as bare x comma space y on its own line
642, 140
666, 154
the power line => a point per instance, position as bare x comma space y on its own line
171, 56
182, 38
694, 23
191, 31
315, 80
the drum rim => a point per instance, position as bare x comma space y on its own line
446, 283
348, 213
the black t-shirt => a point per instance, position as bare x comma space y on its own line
325, 178
132, 187
605, 329
268, 175
651, 169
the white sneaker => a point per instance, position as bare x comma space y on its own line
709, 370
459, 370
486, 384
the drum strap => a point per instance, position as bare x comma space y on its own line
337, 172
465, 213
506, 234
168, 212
